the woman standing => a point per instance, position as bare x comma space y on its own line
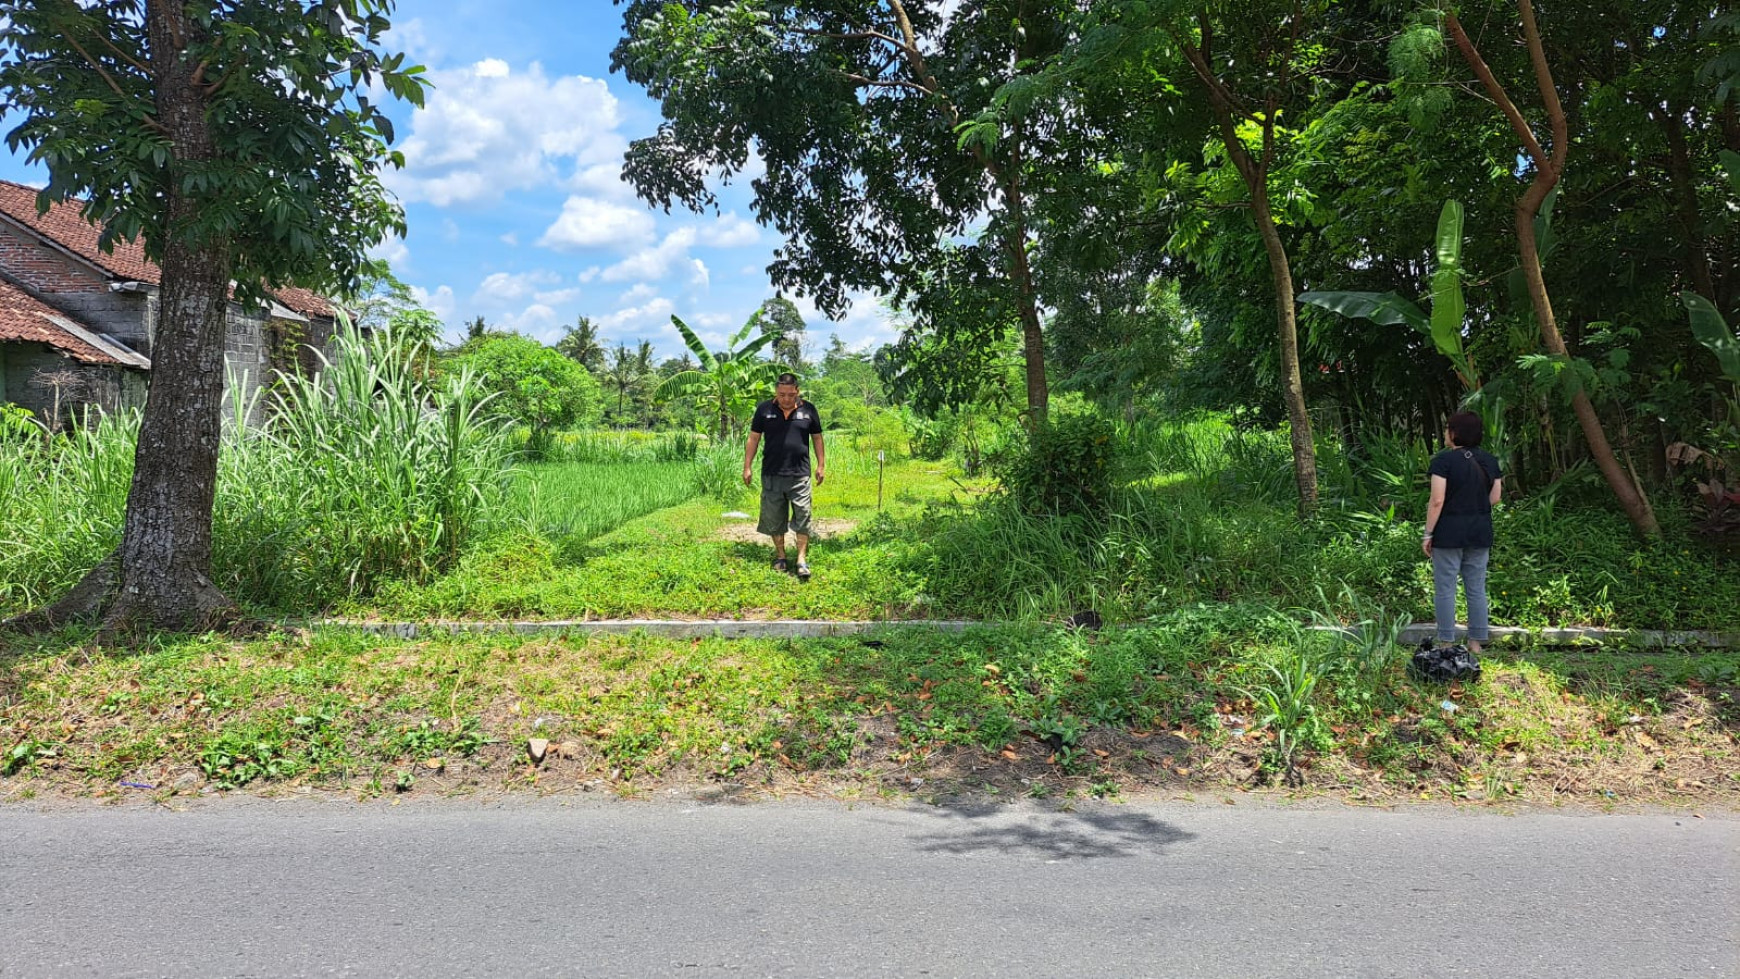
1466, 482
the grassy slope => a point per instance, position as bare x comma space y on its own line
1033, 711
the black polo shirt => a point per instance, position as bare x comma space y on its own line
785, 441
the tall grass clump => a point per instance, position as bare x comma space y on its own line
61, 502
364, 473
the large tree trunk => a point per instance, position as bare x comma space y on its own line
1026, 294
1287, 326
1256, 176
166, 546
160, 577
1548, 169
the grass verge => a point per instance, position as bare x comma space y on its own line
989, 713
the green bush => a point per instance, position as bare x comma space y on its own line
1065, 467
530, 383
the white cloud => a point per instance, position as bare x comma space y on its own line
671, 254
504, 288
409, 36
537, 321
635, 295
488, 129
652, 264
603, 180
440, 302
730, 231
557, 297
394, 251
587, 222
646, 316
511, 239
589, 274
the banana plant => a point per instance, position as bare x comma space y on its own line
1444, 324
726, 382
1713, 332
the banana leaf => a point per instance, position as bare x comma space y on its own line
1384, 308
1713, 331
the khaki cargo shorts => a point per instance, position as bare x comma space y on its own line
785, 503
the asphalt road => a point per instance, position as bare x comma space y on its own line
642, 889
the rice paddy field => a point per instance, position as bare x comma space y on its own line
570, 503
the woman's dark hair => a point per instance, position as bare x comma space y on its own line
1466, 430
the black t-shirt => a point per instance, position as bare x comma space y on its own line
785, 449
1466, 520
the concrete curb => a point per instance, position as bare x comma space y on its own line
1654, 638
821, 628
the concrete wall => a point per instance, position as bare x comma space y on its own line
22, 370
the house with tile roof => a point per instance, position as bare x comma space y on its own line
77, 322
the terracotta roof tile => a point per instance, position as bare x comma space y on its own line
303, 301
65, 226
25, 318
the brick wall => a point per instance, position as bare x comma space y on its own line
83, 292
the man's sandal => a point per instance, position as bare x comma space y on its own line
803, 570
779, 564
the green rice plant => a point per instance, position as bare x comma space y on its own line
603, 447
571, 503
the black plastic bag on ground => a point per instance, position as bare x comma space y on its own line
1444, 664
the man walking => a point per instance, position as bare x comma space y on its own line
790, 424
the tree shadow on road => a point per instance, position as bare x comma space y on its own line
1049, 835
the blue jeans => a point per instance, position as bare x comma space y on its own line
1469, 565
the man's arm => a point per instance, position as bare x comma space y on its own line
749, 455
821, 457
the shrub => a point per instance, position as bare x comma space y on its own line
1065, 467
531, 383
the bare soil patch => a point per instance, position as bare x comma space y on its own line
743, 531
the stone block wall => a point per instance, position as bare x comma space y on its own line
25, 370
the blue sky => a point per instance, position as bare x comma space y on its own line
514, 196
